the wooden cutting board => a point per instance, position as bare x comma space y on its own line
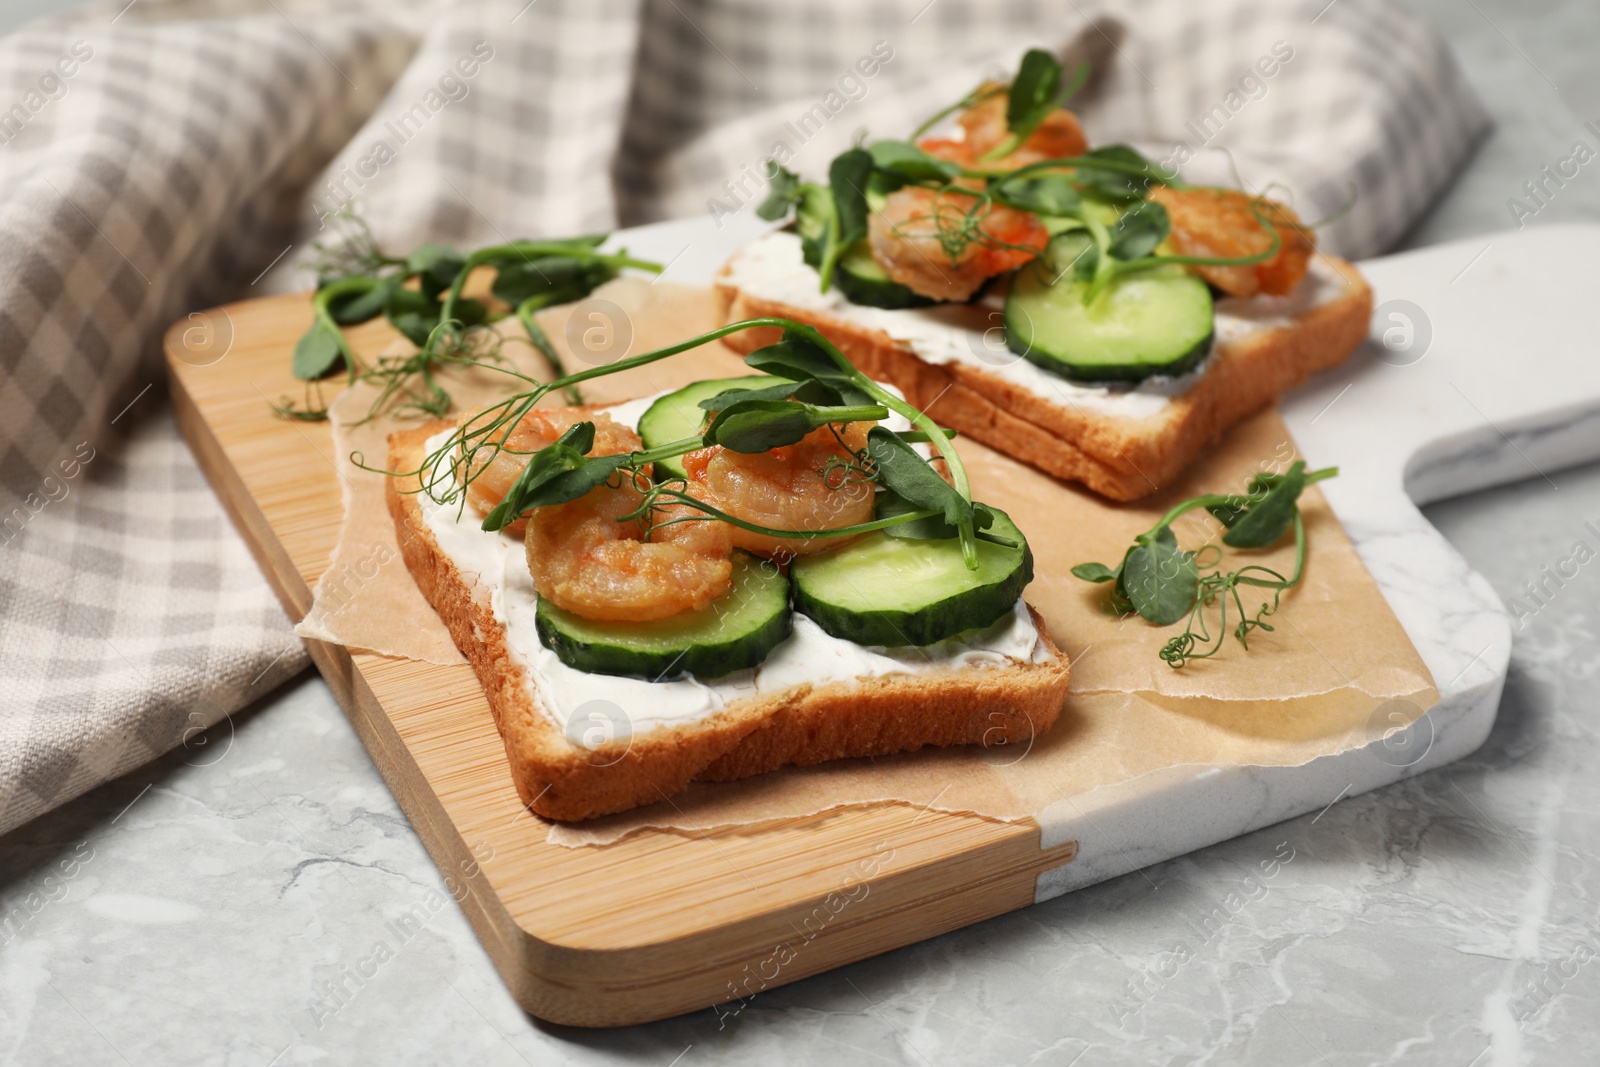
661, 923
654, 925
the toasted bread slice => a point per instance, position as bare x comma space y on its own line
1116, 455
805, 724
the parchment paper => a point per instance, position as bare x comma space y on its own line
366, 598
1337, 671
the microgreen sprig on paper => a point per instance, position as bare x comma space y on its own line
421, 297
1163, 583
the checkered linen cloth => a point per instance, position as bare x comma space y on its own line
158, 158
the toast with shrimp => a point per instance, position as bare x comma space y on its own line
576, 629
1123, 455
1080, 309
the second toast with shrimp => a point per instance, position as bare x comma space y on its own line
1123, 455
1084, 310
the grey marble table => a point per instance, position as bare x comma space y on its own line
195, 910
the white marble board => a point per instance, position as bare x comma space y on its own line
1481, 368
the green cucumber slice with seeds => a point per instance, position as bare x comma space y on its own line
882, 590
678, 415
734, 633
1156, 321
862, 280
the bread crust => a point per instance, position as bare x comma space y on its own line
801, 725
1118, 457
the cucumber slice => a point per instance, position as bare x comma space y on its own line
883, 590
863, 280
732, 634
678, 415
1149, 322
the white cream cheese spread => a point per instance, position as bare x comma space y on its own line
773, 268
594, 708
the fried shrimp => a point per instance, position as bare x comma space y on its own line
944, 245
810, 485
492, 478
586, 558
984, 128
1058, 136
1223, 223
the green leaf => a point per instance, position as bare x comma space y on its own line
1042, 194
800, 360
1268, 518
901, 470
794, 358
317, 353
1140, 229
812, 220
1231, 509
1116, 599
811, 392
416, 314
435, 266
570, 485
906, 160
847, 179
1160, 580
437, 281
781, 194
426, 256
847, 184
545, 480
416, 328
413, 313
882, 183
752, 426
402, 301
1265, 480
553, 279
1034, 91
576, 440
1095, 572
890, 504
1116, 185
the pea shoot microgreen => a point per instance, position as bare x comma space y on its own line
816, 386
1036, 91
421, 296
1164, 584
847, 178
